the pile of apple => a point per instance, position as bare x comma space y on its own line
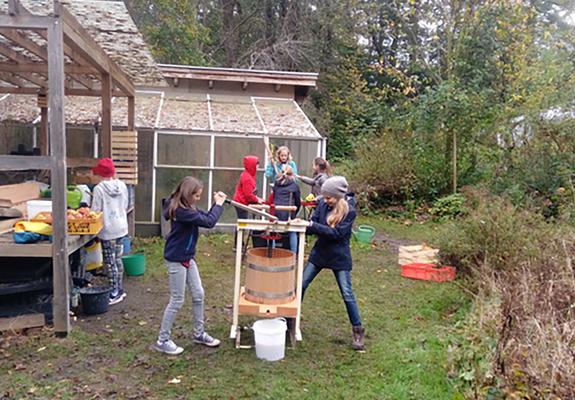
83, 213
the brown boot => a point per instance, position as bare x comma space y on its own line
358, 336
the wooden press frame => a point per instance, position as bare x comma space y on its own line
263, 310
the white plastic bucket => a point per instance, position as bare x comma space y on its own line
270, 337
33, 207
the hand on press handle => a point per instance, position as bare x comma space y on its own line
219, 198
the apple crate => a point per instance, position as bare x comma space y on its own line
428, 272
85, 226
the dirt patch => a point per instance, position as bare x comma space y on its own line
392, 244
145, 300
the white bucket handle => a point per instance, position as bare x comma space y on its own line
280, 318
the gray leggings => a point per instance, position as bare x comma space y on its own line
179, 277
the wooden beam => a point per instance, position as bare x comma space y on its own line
15, 56
68, 91
13, 80
28, 44
22, 322
25, 42
106, 115
14, 7
23, 163
80, 41
131, 113
26, 65
24, 21
61, 271
36, 80
228, 77
69, 51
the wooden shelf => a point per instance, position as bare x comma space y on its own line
8, 248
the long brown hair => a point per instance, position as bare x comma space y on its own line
338, 213
183, 196
323, 166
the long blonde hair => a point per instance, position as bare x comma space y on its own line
183, 196
338, 213
279, 150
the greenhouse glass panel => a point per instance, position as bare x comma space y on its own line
183, 150
80, 142
144, 188
226, 182
230, 151
168, 178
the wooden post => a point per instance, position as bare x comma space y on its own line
131, 113
61, 271
106, 115
236, 306
44, 140
299, 283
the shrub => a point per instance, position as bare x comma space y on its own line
521, 332
448, 207
496, 234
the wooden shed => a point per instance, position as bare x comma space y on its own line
54, 54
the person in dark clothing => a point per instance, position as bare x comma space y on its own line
332, 222
287, 193
246, 188
179, 255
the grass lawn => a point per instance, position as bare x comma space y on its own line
108, 356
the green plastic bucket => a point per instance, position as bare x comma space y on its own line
134, 264
364, 233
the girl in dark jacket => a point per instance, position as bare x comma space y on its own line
179, 256
332, 222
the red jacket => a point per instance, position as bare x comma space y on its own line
246, 188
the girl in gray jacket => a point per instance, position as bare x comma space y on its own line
321, 171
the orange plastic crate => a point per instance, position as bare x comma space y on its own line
85, 226
428, 272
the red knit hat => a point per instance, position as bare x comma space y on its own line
105, 168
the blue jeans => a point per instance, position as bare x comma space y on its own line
179, 278
293, 241
343, 279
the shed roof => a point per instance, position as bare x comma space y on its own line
180, 112
308, 79
111, 26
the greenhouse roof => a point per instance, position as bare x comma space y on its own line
187, 113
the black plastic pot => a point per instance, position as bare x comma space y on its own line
95, 300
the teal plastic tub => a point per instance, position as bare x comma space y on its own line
134, 264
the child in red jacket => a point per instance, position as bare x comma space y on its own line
246, 189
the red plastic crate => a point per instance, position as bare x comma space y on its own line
428, 272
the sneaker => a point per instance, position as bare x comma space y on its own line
168, 347
117, 299
207, 340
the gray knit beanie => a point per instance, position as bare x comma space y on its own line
336, 186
